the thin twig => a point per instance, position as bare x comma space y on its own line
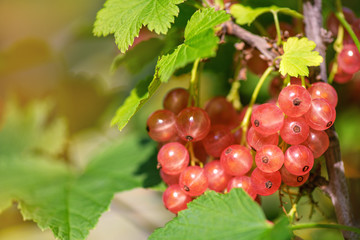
313, 29
252, 39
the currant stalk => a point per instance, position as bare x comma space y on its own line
194, 85
246, 119
277, 26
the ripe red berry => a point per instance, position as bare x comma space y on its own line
267, 119
161, 125
173, 158
294, 100
176, 100
169, 179
269, 158
237, 160
325, 91
193, 124
294, 130
349, 59
217, 177
221, 111
291, 179
175, 199
217, 140
265, 183
243, 182
317, 142
321, 114
193, 181
256, 140
299, 160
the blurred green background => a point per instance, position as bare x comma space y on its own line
48, 54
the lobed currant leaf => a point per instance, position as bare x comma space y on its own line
298, 56
67, 202
200, 42
246, 15
138, 97
223, 216
50, 192
125, 18
28, 130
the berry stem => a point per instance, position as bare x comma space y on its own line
277, 26
292, 213
234, 96
245, 121
193, 158
324, 225
333, 71
194, 85
286, 81
341, 18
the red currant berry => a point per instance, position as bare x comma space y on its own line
161, 125
173, 158
217, 177
265, 183
243, 182
321, 114
237, 160
299, 160
291, 179
175, 199
267, 119
193, 124
176, 100
193, 181
217, 140
294, 100
269, 158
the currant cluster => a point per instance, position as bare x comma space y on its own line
200, 148
349, 58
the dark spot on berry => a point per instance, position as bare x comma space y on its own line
305, 168
229, 150
158, 166
265, 159
268, 184
296, 129
189, 138
296, 102
329, 124
256, 123
299, 178
147, 128
186, 188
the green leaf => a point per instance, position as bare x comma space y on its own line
138, 57
200, 42
54, 195
70, 204
281, 229
124, 19
138, 97
28, 130
246, 15
298, 56
220, 216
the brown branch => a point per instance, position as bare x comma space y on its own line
254, 40
337, 188
313, 29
